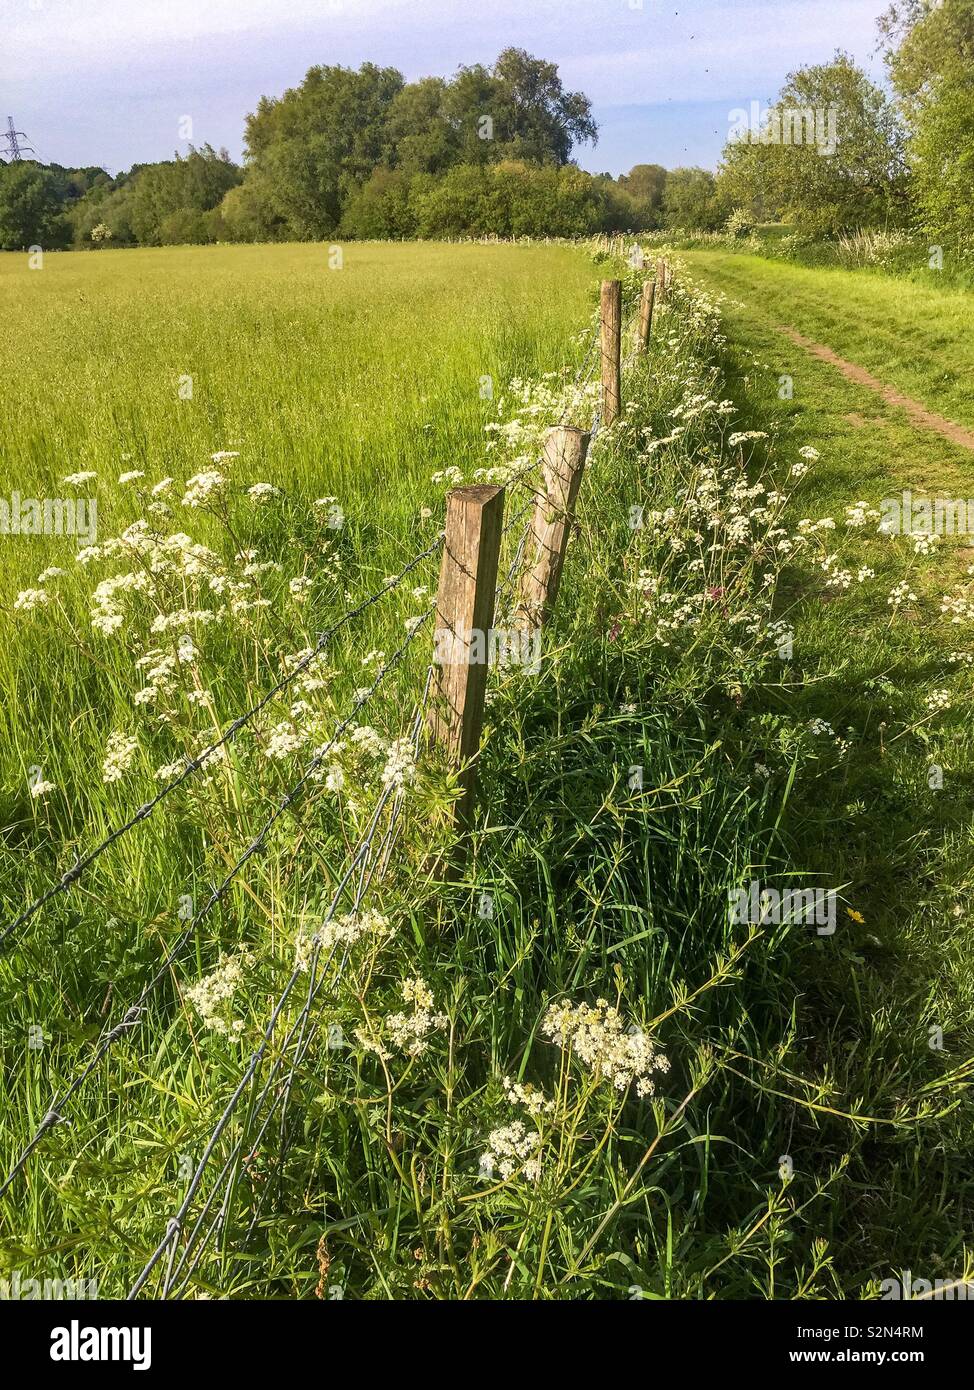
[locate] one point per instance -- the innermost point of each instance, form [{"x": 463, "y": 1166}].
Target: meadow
[{"x": 566, "y": 1071}]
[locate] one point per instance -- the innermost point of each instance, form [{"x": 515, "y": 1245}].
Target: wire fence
[
  {"x": 193, "y": 765},
  {"x": 207, "y": 1205}
]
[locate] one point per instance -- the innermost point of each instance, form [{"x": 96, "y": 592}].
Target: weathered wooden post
[
  {"x": 611, "y": 342},
  {"x": 464, "y": 615},
  {"x": 561, "y": 473},
  {"x": 645, "y": 326}
]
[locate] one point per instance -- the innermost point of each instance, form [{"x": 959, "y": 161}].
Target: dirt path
[{"x": 925, "y": 419}]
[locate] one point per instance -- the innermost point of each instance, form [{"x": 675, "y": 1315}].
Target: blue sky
[{"x": 109, "y": 81}]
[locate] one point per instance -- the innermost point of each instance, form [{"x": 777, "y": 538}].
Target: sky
[{"x": 110, "y": 82}]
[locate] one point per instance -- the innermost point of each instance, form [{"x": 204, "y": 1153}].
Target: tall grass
[{"x": 566, "y": 1071}]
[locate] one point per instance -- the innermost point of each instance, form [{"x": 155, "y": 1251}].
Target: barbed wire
[
  {"x": 175, "y": 1224},
  {"x": 194, "y": 764},
  {"x": 379, "y": 863},
  {"x": 133, "y": 1016}
]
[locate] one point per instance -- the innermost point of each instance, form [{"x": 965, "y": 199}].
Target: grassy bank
[{"x": 570, "y": 1072}]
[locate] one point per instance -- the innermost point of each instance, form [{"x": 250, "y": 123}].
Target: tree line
[{"x": 365, "y": 154}]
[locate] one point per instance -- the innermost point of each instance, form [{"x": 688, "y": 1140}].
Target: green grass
[
  {"x": 915, "y": 337},
  {"x": 583, "y": 882},
  {"x": 356, "y": 383},
  {"x": 904, "y": 848}
]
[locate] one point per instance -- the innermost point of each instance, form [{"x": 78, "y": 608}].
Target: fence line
[
  {"x": 469, "y": 565},
  {"x": 202, "y": 758}
]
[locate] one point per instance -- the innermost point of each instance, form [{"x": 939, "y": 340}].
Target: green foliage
[
  {"x": 326, "y": 148},
  {"x": 166, "y": 201},
  {"x": 829, "y": 158},
  {"x": 30, "y": 207},
  {"x": 691, "y": 199},
  {"x": 645, "y": 184},
  {"x": 930, "y": 52}
]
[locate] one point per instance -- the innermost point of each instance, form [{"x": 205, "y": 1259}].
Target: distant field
[
  {"x": 331, "y": 377},
  {"x": 354, "y": 385}
]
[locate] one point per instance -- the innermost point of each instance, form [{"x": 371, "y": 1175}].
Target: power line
[{"x": 13, "y": 136}]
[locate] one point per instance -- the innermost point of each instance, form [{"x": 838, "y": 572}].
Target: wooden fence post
[
  {"x": 611, "y": 340},
  {"x": 464, "y": 615},
  {"x": 561, "y": 473},
  {"x": 645, "y": 315}
]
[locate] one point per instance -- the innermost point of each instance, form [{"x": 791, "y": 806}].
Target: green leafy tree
[
  {"x": 248, "y": 213},
  {"x": 930, "y": 53},
  {"x": 320, "y": 141},
  {"x": 691, "y": 200},
  {"x": 424, "y": 137},
  {"x": 534, "y": 117},
  {"x": 645, "y": 185},
  {"x": 829, "y": 158},
  {"x": 382, "y": 209},
  {"x": 31, "y": 207},
  {"x": 190, "y": 184}
]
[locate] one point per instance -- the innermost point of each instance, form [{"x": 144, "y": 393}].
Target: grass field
[
  {"x": 353, "y": 386},
  {"x": 568, "y": 1073}
]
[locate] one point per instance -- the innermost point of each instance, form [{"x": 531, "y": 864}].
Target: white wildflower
[{"x": 120, "y": 752}]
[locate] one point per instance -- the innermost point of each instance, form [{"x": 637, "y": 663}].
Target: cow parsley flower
[
  {"x": 410, "y": 1032},
  {"x": 120, "y": 752},
  {"x": 29, "y": 599},
  {"x": 400, "y": 768},
  {"x": 213, "y": 996},
  {"x": 263, "y": 492},
  {"x": 201, "y": 488},
  {"x": 511, "y": 1148}
]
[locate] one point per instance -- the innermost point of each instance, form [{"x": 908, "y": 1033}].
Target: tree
[
  {"x": 321, "y": 140},
  {"x": 30, "y": 207},
  {"x": 534, "y": 117},
  {"x": 424, "y": 138},
  {"x": 645, "y": 185},
  {"x": 828, "y": 156},
  {"x": 247, "y": 213},
  {"x": 930, "y": 53},
  {"x": 382, "y": 208},
  {"x": 691, "y": 200},
  {"x": 188, "y": 186}
]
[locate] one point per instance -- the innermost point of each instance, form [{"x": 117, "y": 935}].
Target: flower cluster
[
  {"x": 410, "y": 1031},
  {"x": 512, "y": 1149},
  {"x": 597, "y": 1035},
  {"x": 212, "y": 997}
]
